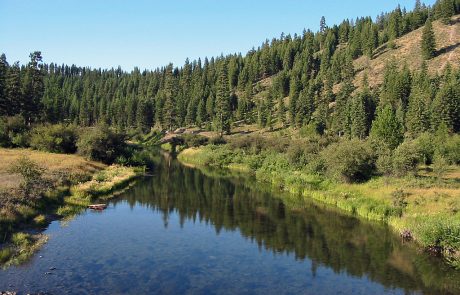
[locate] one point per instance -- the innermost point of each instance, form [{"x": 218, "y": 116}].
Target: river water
[{"x": 183, "y": 231}]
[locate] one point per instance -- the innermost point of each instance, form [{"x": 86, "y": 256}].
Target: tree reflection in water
[{"x": 324, "y": 236}]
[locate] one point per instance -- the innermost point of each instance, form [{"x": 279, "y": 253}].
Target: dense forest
[{"x": 311, "y": 84}]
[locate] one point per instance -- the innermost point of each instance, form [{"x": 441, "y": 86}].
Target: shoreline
[
  {"x": 349, "y": 199},
  {"x": 28, "y": 237}
]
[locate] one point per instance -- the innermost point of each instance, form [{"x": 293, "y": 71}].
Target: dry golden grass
[
  {"x": 408, "y": 52},
  {"x": 53, "y": 163}
]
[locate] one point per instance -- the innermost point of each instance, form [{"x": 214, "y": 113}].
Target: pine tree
[
  {"x": 281, "y": 111},
  {"x": 359, "y": 128},
  {"x": 13, "y": 90},
  {"x": 445, "y": 107},
  {"x": 447, "y": 10},
  {"x": 342, "y": 122},
  {"x": 418, "y": 110},
  {"x": 159, "y": 101},
  {"x": 169, "y": 107},
  {"x": 83, "y": 115},
  {"x": 4, "y": 105},
  {"x": 387, "y": 128},
  {"x": 222, "y": 116},
  {"x": 143, "y": 115},
  {"x": 201, "y": 113},
  {"x": 33, "y": 89},
  {"x": 428, "y": 41},
  {"x": 418, "y": 16},
  {"x": 394, "y": 25},
  {"x": 269, "y": 110},
  {"x": 293, "y": 97},
  {"x": 322, "y": 25}
]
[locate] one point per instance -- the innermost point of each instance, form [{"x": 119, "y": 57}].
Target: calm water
[{"x": 182, "y": 232}]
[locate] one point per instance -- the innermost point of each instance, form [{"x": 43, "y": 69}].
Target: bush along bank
[
  {"x": 417, "y": 204},
  {"x": 39, "y": 199}
]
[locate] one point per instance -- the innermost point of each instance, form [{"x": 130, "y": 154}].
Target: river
[{"x": 183, "y": 231}]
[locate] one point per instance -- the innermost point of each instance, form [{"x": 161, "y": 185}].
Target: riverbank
[
  {"x": 64, "y": 185},
  {"x": 418, "y": 207}
]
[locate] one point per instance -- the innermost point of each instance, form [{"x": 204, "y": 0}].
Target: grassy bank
[
  {"x": 59, "y": 187},
  {"x": 419, "y": 206},
  {"x": 102, "y": 186}
]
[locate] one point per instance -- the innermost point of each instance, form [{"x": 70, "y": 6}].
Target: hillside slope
[{"x": 408, "y": 52}]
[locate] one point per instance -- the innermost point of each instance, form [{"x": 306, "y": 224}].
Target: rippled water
[{"x": 184, "y": 232}]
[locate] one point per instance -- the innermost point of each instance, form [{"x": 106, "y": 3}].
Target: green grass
[
  {"x": 429, "y": 209},
  {"x": 21, "y": 248},
  {"x": 103, "y": 183}
]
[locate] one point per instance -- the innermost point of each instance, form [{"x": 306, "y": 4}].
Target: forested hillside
[{"x": 340, "y": 80}]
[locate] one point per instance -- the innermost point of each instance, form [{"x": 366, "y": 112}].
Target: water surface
[{"x": 183, "y": 232}]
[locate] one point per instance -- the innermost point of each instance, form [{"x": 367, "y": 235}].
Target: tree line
[{"x": 218, "y": 91}]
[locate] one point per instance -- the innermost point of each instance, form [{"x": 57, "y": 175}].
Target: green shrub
[
  {"x": 217, "y": 140},
  {"x": 4, "y": 139},
  {"x": 13, "y": 132},
  {"x": 451, "y": 149},
  {"x": 384, "y": 163},
  {"x": 141, "y": 158},
  {"x": 21, "y": 239},
  {"x": 399, "y": 197},
  {"x": 255, "y": 144},
  {"x": 33, "y": 185},
  {"x": 426, "y": 147},
  {"x": 349, "y": 160},
  {"x": 440, "y": 166},
  {"x": 57, "y": 138},
  {"x": 101, "y": 143},
  {"x": 40, "y": 220},
  {"x": 302, "y": 152},
  {"x": 406, "y": 157},
  {"x": 194, "y": 140},
  {"x": 5, "y": 254}
]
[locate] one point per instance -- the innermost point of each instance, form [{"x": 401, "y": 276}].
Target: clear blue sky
[{"x": 148, "y": 34}]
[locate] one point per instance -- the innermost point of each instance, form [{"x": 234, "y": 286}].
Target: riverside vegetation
[
  {"x": 364, "y": 115},
  {"x": 419, "y": 201},
  {"x": 39, "y": 186}
]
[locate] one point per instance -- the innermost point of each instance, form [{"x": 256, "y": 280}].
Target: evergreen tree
[
  {"x": 387, "y": 128},
  {"x": 322, "y": 25},
  {"x": 33, "y": 89},
  {"x": 394, "y": 25},
  {"x": 445, "y": 107},
  {"x": 201, "y": 113},
  {"x": 281, "y": 111},
  {"x": 169, "y": 107},
  {"x": 269, "y": 110},
  {"x": 418, "y": 14},
  {"x": 428, "y": 41},
  {"x": 359, "y": 128},
  {"x": 418, "y": 110},
  {"x": 293, "y": 97},
  {"x": 13, "y": 90},
  {"x": 342, "y": 122},
  {"x": 222, "y": 116},
  {"x": 4, "y": 105},
  {"x": 143, "y": 115},
  {"x": 447, "y": 10}
]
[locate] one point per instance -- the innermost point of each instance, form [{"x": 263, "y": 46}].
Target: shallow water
[{"x": 183, "y": 232}]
